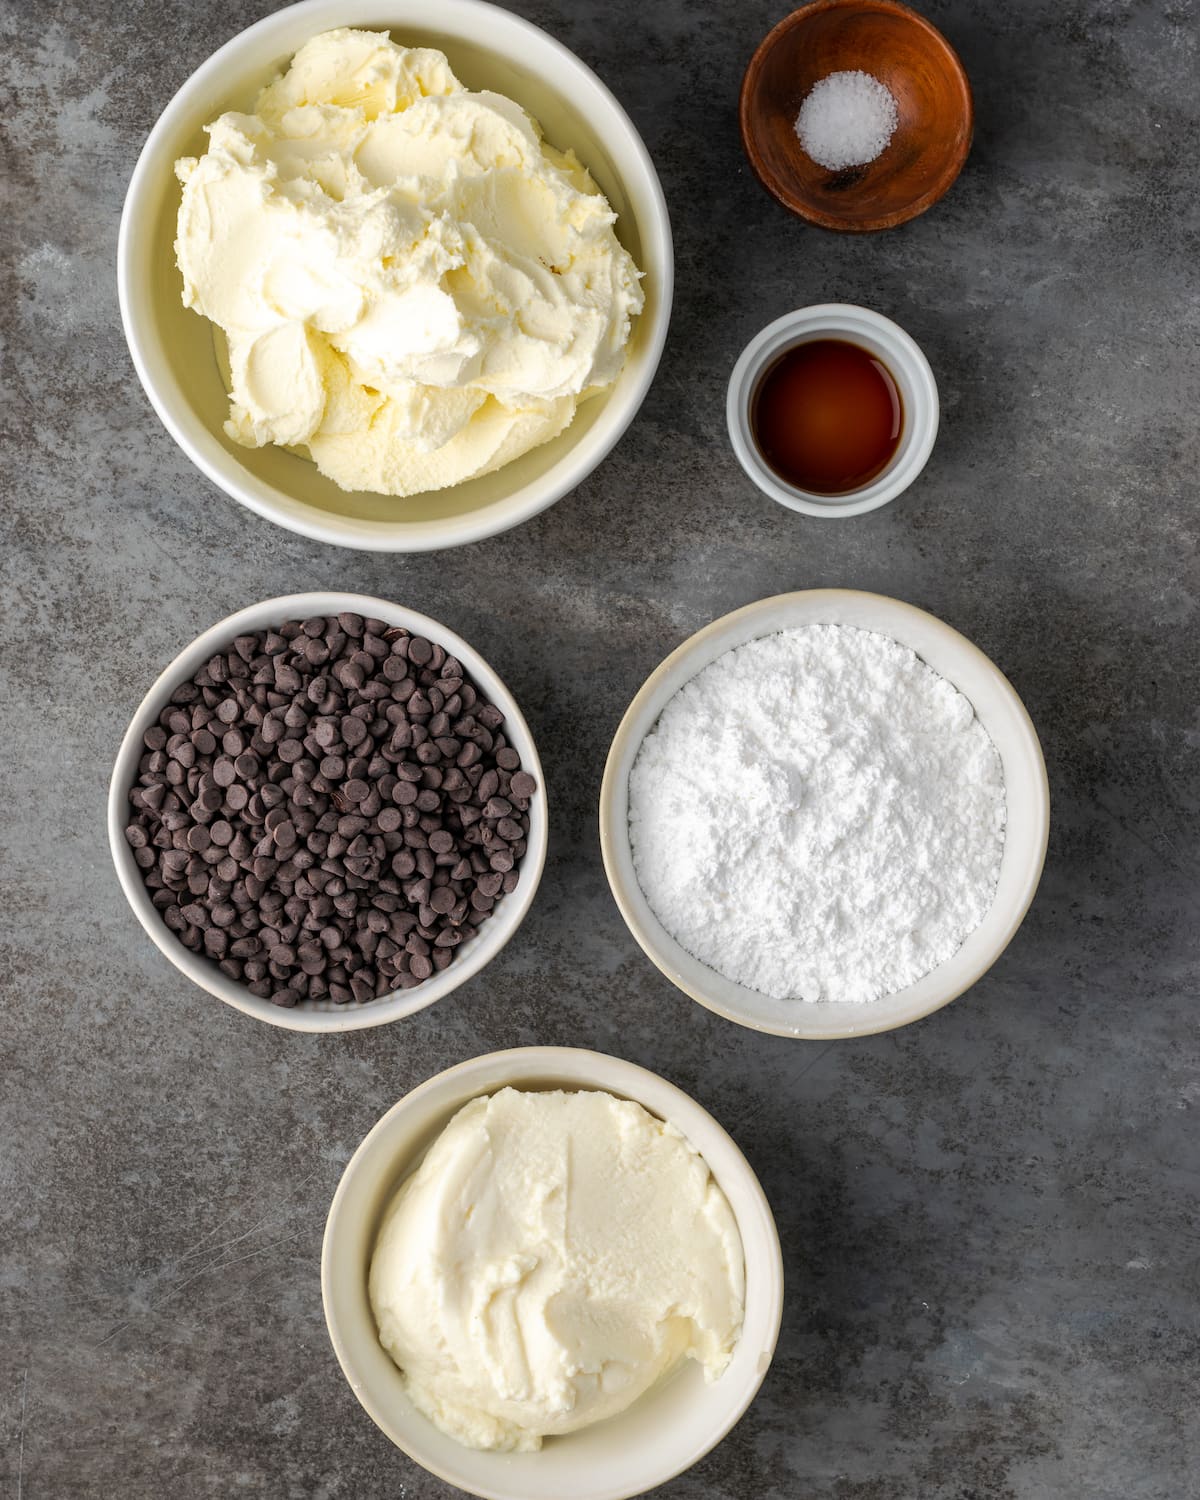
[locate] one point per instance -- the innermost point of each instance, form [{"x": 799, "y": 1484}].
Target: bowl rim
[
  {"x": 902, "y": 354},
  {"x": 267, "y": 499},
  {"x": 203, "y": 972},
  {"x": 781, "y": 191},
  {"x": 577, "y": 1069},
  {"x": 612, "y": 833}
]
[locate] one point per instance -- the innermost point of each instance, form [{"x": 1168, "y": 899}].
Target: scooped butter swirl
[
  {"x": 414, "y": 287},
  {"x": 554, "y": 1255}
]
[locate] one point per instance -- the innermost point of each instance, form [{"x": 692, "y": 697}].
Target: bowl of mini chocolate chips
[{"x": 328, "y": 812}]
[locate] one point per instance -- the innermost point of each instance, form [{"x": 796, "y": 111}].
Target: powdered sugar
[
  {"x": 818, "y": 815},
  {"x": 847, "y": 120}
]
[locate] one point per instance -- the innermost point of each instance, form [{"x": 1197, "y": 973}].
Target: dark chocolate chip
[{"x": 319, "y": 818}]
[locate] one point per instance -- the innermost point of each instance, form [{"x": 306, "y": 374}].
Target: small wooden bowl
[{"x": 906, "y": 54}]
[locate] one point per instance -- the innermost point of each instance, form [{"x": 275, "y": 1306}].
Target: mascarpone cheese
[
  {"x": 554, "y": 1255},
  {"x": 413, "y": 286}
]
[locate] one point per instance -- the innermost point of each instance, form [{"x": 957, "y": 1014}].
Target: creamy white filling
[
  {"x": 412, "y": 285},
  {"x": 552, "y": 1258}
]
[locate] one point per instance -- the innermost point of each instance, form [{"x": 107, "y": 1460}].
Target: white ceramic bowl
[
  {"x": 324, "y": 1015},
  {"x": 675, "y": 1423},
  {"x": 172, "y": 348},
  {"x": 888, "y": 342},
  {"x": 999, "y": 710}
]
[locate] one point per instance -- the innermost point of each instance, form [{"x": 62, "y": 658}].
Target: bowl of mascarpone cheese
[
  {"x": 550, "y": 1272},
  {"x": 398, "y": 284}
]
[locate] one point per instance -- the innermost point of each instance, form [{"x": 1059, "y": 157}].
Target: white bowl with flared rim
[
  {"x": 172, "y": 347},
  {"x": 1027, "y": 794},
  {"x": 663, "y": 1433},
  {"x": 889, "y": 343},
  {"x": 325, "y": 1015}
]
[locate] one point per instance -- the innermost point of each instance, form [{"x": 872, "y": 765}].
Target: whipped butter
[
  {"x": 413, "y": 286},
  {"x": 554, "y": 1255}
]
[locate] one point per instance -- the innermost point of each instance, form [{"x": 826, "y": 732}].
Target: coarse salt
[
  {"x": 818, "y": 815},
  {"x": 846, "y": 120}
]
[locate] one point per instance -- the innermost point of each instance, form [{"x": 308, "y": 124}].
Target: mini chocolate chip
[
  {"x": 294, "y": 807},
  {"x": 284, "y": 834}
]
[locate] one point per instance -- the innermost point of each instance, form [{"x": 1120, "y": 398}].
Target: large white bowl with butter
[
  {"x": 670, "y": 1427},
  {"x": 173, "y": 348}
]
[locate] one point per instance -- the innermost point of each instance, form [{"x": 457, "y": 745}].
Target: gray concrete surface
[{"x": 989, "y": 1219}]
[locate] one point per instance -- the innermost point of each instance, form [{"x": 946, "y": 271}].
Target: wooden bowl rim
[{"x": 780, "y": 190}]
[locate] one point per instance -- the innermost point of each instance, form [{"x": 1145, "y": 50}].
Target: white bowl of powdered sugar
[{"x": 825, "y": 814}]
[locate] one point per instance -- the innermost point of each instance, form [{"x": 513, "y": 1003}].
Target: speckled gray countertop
[{"x": 989, "y": 1219}]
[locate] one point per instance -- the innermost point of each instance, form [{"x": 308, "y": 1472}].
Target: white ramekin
[
  {"x": 662, "y": 1434},
  {"x": 324, "y": 1015},
  {"x": 1000, "y": 712},
  {"x": 172, "y": 347},
  {"x": 885, "y": 339}
]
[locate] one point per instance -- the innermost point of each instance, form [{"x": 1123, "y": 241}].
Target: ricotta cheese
[{"x": 413, "y": 286}]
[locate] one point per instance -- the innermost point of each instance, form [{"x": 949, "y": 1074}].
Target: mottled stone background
[{"x": 989, "y": 1219}]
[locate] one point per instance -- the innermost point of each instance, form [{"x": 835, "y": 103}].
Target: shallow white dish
[
  {"x": 1027, "y": 791},
  {"x": 324, "y": 1015},
  {"x": 172, "y": 347},
  {"x": 889, "y": 343},
  {"x": 675, "y": 1423}
]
